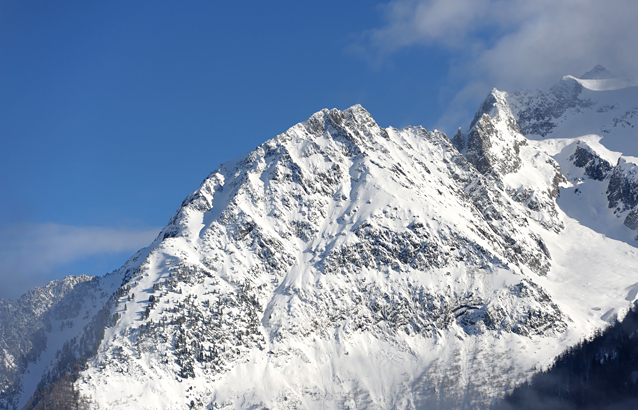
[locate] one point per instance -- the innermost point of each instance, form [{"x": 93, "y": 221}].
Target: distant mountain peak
[{"x": 598, "y": 73}]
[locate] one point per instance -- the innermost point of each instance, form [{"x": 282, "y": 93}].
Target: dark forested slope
[{"x": 598, "y": 373}]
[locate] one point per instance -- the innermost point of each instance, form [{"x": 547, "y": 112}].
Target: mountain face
[
  {"x": 344, "y": 265},
  {"x": 35, "y": 328}
]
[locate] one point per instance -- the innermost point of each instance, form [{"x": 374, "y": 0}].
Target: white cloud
[
  {"x": 30, "y": 253},
  {"x": 565, "y": 37},
  {"x": 426, "y": 22},
  {"x": 512, "y": 44}
]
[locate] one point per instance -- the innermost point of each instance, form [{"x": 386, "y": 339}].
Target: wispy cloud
[
  {"x": 31, "y": 253},
  {"x": 511, "y": 44}
]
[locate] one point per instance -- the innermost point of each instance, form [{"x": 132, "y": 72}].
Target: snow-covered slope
[
  {"x": 34, "y": 329},
  {"x": 575, "y": 107},
  {"x": 590, "y": 130},
  {"x": 343, "y": 265}
]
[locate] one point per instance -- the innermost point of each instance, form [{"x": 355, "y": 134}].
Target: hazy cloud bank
[
  {"x": 31, "y": 253},
  {"x": 510, "y": 44}
]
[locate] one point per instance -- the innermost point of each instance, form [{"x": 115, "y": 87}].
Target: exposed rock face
[
  {"x": 495, "y": 146},
  {"x": 537, "y": 111},
  {"x": 622, "y": 192},
  {"x": 631, "y": 220},
  {"x": 595, "y": 167},
  {"x": 479, "y": 143}
]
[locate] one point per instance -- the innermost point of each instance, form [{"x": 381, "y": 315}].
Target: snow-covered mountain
[
  {"x": 589, "y": 126},
  {"x": 344, "y": 265}
]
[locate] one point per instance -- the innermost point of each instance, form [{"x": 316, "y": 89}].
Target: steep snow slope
[{"x": 342, "y": 264}]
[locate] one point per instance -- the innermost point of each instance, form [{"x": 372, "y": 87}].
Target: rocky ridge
[
  {"x": 27, "y": 324},
  {"x": 539, "y": 115}
]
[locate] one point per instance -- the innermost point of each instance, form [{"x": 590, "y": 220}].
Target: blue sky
[{"x": 112, "y": 112}]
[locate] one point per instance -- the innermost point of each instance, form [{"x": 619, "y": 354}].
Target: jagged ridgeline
[{"x": 339, "y": 265}]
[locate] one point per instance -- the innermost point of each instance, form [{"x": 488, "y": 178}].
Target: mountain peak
[
  {"x": 340, "y": 249},
  {"x": 597, "y": 73}
]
